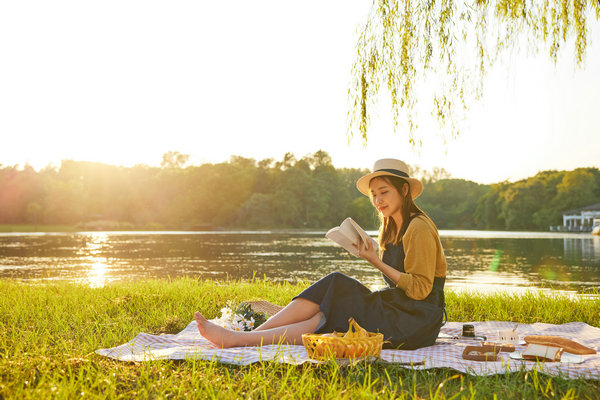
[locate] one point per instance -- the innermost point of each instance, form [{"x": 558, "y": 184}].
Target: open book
[{"x": 347, "y": 233}]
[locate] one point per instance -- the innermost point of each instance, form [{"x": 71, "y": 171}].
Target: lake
[{"x": 477, "y": 260}]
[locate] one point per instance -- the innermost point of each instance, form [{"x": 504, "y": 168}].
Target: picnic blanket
[{"x": 445, "y": 353}]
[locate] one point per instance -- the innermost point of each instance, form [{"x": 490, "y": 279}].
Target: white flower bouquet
[{"x": 240, "y": 317}]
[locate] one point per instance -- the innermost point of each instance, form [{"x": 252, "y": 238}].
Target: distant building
[{"x": 580, "y": 219}]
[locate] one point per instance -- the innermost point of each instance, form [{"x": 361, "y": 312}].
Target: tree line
[{"x": 297, "y": 193}]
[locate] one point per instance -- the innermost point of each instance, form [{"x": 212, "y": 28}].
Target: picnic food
[
  {"x": 551, "y": 348},
  {"x": 481, "y": 353},
  {"x": 542, "y": 353},
  {"x": 355, "y": 330},
  {"x": 356, "y": 342},
  {"x": 503, "y": 347},
  {"x": 559, "y": 342}
]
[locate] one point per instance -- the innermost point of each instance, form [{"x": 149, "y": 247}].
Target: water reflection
[
  {"x": 97, "y": 275},
  {"x": 512, "y": 261},
  {"x": 587, "y": 249},
  {"x": 93, "y": 245}
]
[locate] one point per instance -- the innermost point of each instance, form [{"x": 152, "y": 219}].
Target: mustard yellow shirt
[{"x": 424, "y": 258}]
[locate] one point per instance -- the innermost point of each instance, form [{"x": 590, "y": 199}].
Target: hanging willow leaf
[{"x": 403, "y": 42}]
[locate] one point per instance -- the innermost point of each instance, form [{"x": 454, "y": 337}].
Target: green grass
[{"x": 49, "y": 331}]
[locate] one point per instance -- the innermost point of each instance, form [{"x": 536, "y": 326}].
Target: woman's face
[{"x": 385, "y": 197}]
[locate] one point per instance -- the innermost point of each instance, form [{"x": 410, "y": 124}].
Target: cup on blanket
[{"x": 508, "y": 336}]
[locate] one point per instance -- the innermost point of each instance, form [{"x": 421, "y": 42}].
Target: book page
[
  {"x": 347, "y": 227},
  {"x": 337, "y": 235},
  {"x": 363, "y": 234},
  {"x": 348, "y": 234}
]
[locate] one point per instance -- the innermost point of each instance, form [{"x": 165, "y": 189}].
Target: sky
[{"x": 123, "y": 82}]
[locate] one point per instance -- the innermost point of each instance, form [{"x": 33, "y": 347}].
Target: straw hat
[{"x": 390, "y": 167}]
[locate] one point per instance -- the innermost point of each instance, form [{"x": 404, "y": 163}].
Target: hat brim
[{"x": 416, "y": 187}]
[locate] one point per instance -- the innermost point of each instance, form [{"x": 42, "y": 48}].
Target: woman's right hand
[{"x": 367, "y": 251}]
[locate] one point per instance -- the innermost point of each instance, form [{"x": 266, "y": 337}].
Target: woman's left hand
[{"x": 367, "y": 251}]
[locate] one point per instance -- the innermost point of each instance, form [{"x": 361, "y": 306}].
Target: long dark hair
[{"x": 388, "y": 232}]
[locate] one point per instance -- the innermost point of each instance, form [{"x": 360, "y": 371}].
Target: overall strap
[{"x": 438, "y": 284}]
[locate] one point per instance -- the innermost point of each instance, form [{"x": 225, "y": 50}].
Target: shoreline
[
  {"x": 589, "y": 294},
  {"x": 10, "y": 229},
  {"x": 128, "y": 227}
]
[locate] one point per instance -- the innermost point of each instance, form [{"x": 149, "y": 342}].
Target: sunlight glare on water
[{"x": 98, "y": 266}]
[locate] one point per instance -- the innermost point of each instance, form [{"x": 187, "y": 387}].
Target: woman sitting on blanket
[{"x": 409, "y": 312}]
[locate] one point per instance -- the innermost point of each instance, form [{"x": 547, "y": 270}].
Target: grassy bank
[{"x": 48, "y": 334}]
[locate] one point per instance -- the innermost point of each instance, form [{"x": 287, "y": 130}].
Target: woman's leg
[
  {"x": 301, "y": 309},
  {"x": 225, "y": 338},
  {"x": 297, "y": 311}
]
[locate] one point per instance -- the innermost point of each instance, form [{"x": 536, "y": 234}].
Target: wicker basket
[
  {"x": 262, "y": 306},
  {"x": 335, "y": 345}
]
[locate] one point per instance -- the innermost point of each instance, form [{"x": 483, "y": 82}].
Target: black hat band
[{"x": 394, "y": 171}]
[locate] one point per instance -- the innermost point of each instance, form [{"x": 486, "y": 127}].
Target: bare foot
[{"x": 216, "y": 334}]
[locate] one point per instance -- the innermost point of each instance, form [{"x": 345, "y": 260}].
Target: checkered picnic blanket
[{"x": 446, "y": 353}]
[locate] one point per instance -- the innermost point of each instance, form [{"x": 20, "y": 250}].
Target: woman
[{"x": 409, "y": 312}]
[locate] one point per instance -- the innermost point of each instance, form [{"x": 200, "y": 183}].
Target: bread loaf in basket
[{"x": 356, "y": 343}]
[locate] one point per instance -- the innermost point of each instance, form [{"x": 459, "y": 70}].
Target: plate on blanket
[{"x": 564, "y": 358}]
